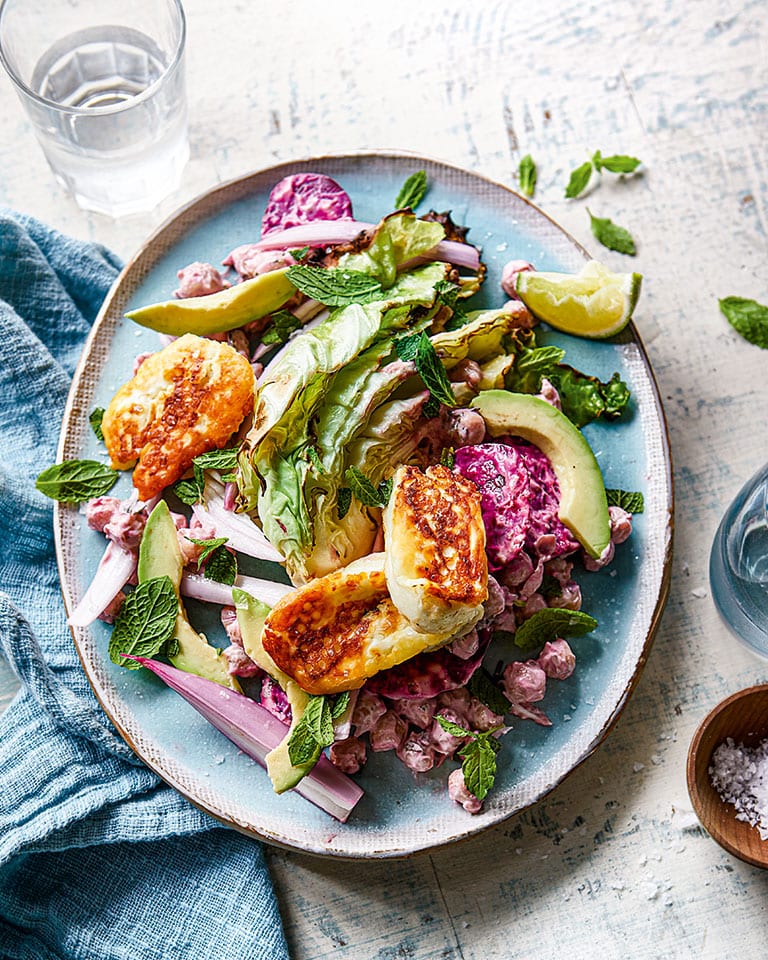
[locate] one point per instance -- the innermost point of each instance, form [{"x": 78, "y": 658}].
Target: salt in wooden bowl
[{"x": 742, "y": 717}]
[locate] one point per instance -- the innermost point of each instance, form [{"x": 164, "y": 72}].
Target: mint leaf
[
  {"x": 75, "y": 481},
  {"x": 340, "y": 704},
  {"x": 482, "y": 688},
  {"x": 448, "y": 295},
  {"x": 221, "y": 567},
  {"x": 313, "y": 731},
  {"x": 612, "y": 236},
  {"x": 343, "y": 502},
  {"x": 453, "y": 728},
  {"x": 314, "y": 458},
  {"x": 526, "y": 173},
  {"x": 284, "y": 323},
  {"x": 631, "y": 502},
  {"x": 220, "y": 563},
  {"x": 145, "y": 623},
  {"x": 407, "y": 347},
  {"x": 579, "y": 180},
  {"x": 618, "y": 163},
  {"x": 362, "y": 488},
  {"x": 412, "y": 191},
  {"x": 189, "y": 492},
  {"x": 549, "y": 624},
  {"x": 317, "y": 716},
  {"x": 335, "y": 286},
  {"x": 479, "y": 764},
  {"x": 448, "y": 458},
  {"x": 225, "y": 461},
  {"x": 432, "y": 372},
  {"x": 300, "y": 254},
  {"x": 748, "y": 318},
  {"x": 302, "y": 746},
  {"x": 95, "y": 418}
]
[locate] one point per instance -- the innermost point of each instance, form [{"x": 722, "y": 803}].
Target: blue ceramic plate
[{"x": 398, "y": 815}]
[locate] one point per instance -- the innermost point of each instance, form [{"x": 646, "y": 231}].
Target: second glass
[
  {"x": 103, "y": 84},
  {"x": 738, "y": 568}
]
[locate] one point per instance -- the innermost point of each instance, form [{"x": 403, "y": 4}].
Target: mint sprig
[
  {"x": 220, "y": 563},
  {"x": 581, "y": 177},
  {"x": 190, "y": 490},
  {"x": 478, "y": 756},
  {"x": 314, "y": 731},
  {"x": 335, "y": 286},
  {"x": 418, "y": 348},
  {"x": 145, "y": 625},
  {"x": 748, "y": 318},
  {"x": 75, "y": 481},
  {"x": 412, "y": 191},
  {"x": 549, "y": 624}
]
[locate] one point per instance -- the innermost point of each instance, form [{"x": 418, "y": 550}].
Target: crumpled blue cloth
[{"x": 98, "y": 858}]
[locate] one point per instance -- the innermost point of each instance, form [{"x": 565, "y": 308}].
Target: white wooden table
[{"x": 610, "y": 864}]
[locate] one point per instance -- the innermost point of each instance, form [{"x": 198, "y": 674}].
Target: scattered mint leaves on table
[
  {"x": 618, "y": 163},
  {"x": 412, "y": 191},
  {"x": 526, "y": 174},
  {"x": 550, "y": 623},
  {"x": 581, "y": 177},
  {"x": 612, "y": 236},
  {"x": 334, "y": 286},
  {"x": 748, "y": 318},
  {"x": 145, "y": 625},
  {"x": 75, "y": 481},
  {"x": 579, "y": 180}
]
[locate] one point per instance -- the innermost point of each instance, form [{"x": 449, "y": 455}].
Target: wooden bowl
[{"x": 744, "y": 718}]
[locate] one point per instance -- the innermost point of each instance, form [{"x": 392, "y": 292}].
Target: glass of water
[
  {"x": 738, "y": 566},
  {"x": 102, "y": 82}
]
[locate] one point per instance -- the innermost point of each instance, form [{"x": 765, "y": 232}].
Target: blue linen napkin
[{"x": 98, "y": 858}]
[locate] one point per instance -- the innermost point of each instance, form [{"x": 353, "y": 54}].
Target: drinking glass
[
  {"x": 738, "y": 567},
  {"x": 102, "y": 82}
]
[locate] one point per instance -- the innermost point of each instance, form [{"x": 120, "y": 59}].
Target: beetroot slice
[
  {"x": 303, "y": 197},
  {"x": 428, "y": 674}
]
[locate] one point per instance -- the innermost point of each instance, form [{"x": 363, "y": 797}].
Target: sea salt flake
[
  {"x": 740, "y": 775},
  {"x": 637, "y": 767}
]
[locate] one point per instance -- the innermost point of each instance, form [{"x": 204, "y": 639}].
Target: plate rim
[{"x": 146, "y": 256}]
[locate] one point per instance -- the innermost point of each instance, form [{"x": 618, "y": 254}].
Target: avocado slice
[
  {"x": 251, "y": 614},
  {"x": 583, "y": 505},
  {"x": 159, "y": 555},
  {"x": 250, "y": 300}
]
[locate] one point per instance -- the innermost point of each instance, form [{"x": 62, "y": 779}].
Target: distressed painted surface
[{"x": 685, "y": 88}]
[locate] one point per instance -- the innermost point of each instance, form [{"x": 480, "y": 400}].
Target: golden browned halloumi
[
  {"x": 336, "y": 631},
  {"x": 434, "y": 543},
  {"x": 186, "y": 399}
]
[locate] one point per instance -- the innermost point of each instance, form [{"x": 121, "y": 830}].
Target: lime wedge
[{"x": 594, "y": 303}]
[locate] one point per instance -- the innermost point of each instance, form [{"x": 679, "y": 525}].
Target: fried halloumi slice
[
  {"x": 186, "y": 399},
  {"x": 434, "y": 544},
  {"x": 336, "y": 631}
]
